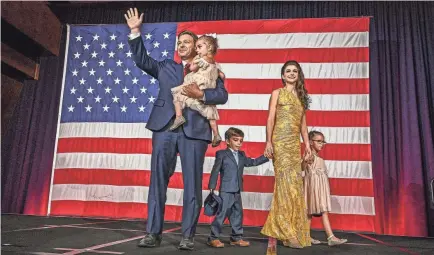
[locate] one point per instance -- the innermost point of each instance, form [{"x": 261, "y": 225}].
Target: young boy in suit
[{"x": 230, "y": 164}]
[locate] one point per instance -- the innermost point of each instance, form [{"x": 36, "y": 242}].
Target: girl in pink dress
[{"x": 317, "y": 188}]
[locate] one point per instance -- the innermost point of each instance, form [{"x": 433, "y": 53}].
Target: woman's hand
[
  {"x": 269, "y": 150},
  {"x": 307, "y": 153}
]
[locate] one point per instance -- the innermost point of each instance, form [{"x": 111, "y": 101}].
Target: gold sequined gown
[{"x": 287, "y": 218}]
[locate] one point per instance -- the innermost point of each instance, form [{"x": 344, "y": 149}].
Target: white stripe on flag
[
  {"x": 341, "y": 135},
  {"x": 323, "y": 102},
  {"x": 294, "y": 40},
  {"x": 310, "y": 70},
  {"x": 139, "y": 194},
  {"x": 336, "y": 169}
]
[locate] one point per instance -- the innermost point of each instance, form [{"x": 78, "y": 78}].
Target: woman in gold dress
[{"x": 287, "y": 220}]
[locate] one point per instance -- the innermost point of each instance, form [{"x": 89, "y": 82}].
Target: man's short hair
[
  {"x": 187, "y": 32},
  {"x": 233, "y": 132}
]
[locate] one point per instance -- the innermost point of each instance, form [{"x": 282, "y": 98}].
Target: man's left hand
[{"x": 193, "y": 91}]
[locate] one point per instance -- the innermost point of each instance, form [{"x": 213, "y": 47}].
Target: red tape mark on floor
[{"x": 387, "y": 244}]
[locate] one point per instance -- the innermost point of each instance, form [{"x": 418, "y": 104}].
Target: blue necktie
[{"x": 235, "y": 156}]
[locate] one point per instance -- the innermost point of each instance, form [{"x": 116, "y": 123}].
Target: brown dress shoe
[
  {"x": 216, "y": 243},
  {"x": 241, "y": 243}
]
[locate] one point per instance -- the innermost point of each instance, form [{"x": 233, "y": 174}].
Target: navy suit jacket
[
  {"x": 171, "y": 74},
  {"x": 231, "y": 174}
]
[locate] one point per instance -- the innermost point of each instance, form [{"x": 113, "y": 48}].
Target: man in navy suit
[
  {"x": 230, "y": 164},
  {"x": 191, "y": 140}
]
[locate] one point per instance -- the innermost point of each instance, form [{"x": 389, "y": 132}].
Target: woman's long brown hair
[{"x": 299, "y": 87}]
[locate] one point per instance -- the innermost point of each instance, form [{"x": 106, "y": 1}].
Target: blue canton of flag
[{"x": 102, "y": 82}]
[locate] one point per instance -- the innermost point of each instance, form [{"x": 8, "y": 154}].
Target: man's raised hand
[{"x": 133, "y": 20}]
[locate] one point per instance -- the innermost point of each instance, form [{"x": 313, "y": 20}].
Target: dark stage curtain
[
  {"x": 402, "y": 95},
  {"x": 28, "y": 145}
]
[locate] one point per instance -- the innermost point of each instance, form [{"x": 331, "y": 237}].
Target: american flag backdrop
[{"x": 103, "y": 152}]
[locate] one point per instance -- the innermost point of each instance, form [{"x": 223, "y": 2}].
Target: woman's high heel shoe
[
  {"x": 271, "y": 250},
  {"x": 272, "y": 246},
  {"x": 292, "y": 243}
]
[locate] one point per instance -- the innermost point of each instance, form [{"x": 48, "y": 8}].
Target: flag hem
[{"x": 58, "y": 118}]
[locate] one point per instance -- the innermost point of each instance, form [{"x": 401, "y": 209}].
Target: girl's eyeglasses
[{"x": 320, "y": 141}]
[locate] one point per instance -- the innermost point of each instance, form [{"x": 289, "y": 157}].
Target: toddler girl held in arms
[{"x": 204, "y": 73}]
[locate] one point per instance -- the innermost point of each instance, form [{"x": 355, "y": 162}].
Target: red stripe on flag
[
  {"x": 314, "y": 118},
  {"x": 252, "y": 183},
  {"x": 350, "y": 152},
  {"x": 318, "y": 25},
  {"x": 351, "y": 187},
  {"x": 303, "y": 55},
  {"x": 313, "y": 86},
  {"x": 174, "y": 213}
]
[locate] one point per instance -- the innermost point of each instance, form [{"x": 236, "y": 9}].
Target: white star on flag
[
  {"x": 141, "y": 108},
  {"x": 71, "y": 108},
  {"x": 99, "y": 81},
  {"x": 125, "y": 90},
  {"x": 90, "y": 90},
  {"x": 92, "y": 72},
  {"x": 121, "y": 46},
  {"x": 78, "y": 38},
  {"x": 107, "y": 90},
  {"x": 166, "y": 35},
  {"x": 80, "y": 99},
  {"x": 77, "y": 55},
  {"x": 94, "y": 54},
  {"x": 75, "y": 72},
  {"x": 135, "y": 80},
  {"x": 127, "y": 71},
  {"x": 143, "y": 90},
  {"x": 84, "y": 63},
  {"x": 115, "y": 99},
  {"x": 109, "y": 72},
  {"x": 117, "y": 80},
  {"x": 73, "y": 90},
  {"x": 101, "y": 63},
  {"x": 113, "y": 37},
  {"x": 97, "y": 99},
  {"x": 129, "y": 53},
  {"x": 82, "y": 81},
  {"x": 103, "y": 46},
  {"x": 88, "y": 108},
  {"x": 111, "y": 54},
  {"x": 133, "y": 99},
  {"x": 106, "y": 108},
  {"x": 86, "y": 46},
  {"x": 124, "y": 109},
  {"x": 153, "y": 80},
  {"x": 156, "y": 44},
  {"x": 165, "y": 52},
  {"x": 119, "y": 63},
  {"x": 148, "y": 36},
  {"x": 96, "y": 37},
  {"x": 151, "y": 99}
]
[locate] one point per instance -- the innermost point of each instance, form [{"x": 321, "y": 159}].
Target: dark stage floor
[{"x": 63, "y": 235}]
